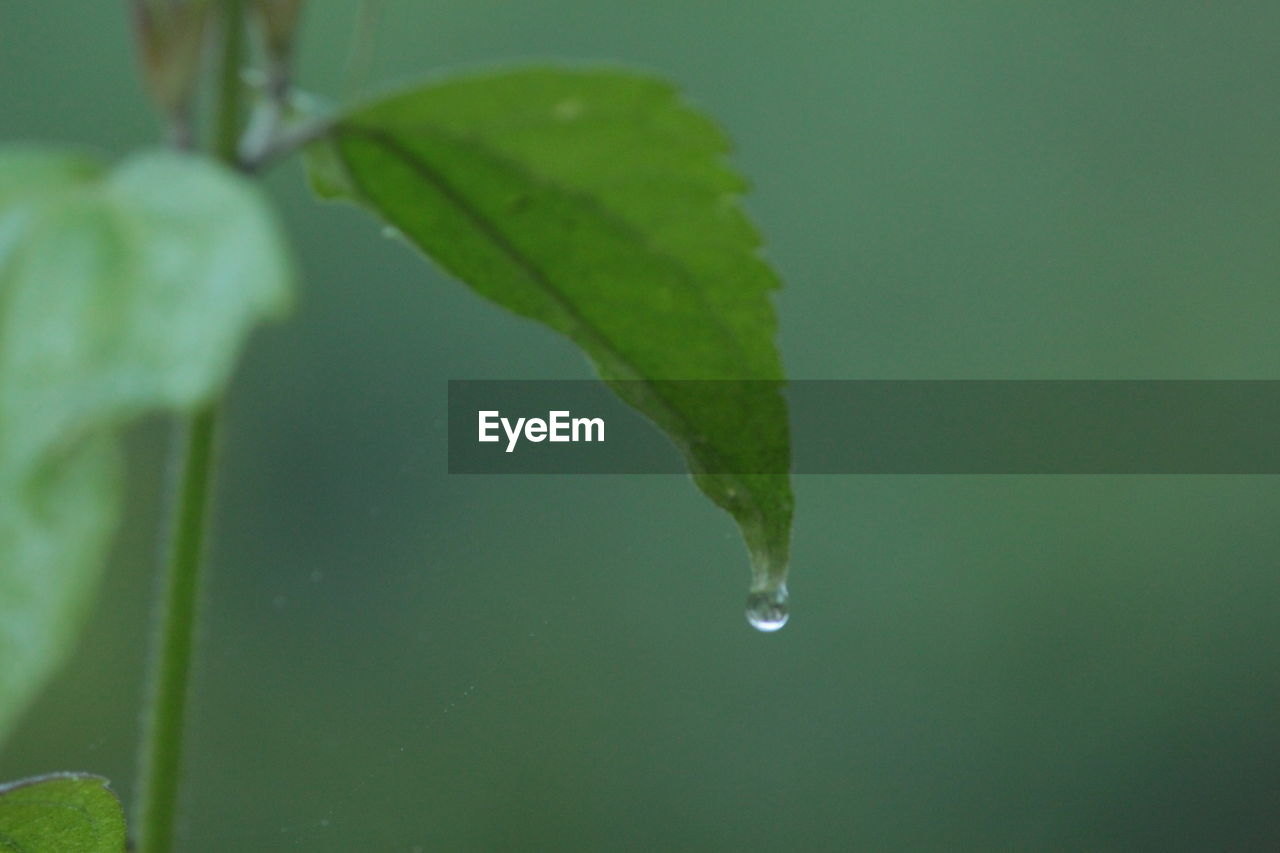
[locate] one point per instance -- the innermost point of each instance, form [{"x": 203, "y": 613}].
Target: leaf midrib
[
  {"x": 531, "y": 269},
  {"x": 598, "y": 208}
]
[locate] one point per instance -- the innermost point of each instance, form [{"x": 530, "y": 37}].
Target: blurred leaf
[
  {"x": 37, "y": 171},
  {"x": 61, "y": 813},
  {"x": 120, "y": 293},
  {"x": 598, "y": 203}
]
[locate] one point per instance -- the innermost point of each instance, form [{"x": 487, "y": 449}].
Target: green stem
[
  {"x": 179, "y": 601},
  {"x": 230, "y": 89},
  {"x": 175, "y": 641}
]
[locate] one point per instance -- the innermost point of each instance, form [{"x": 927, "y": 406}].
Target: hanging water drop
[{"x": 767, "y": 609}]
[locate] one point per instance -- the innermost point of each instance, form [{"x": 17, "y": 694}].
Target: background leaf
[
  {"x": 598, "y": 203},
  {"x": 120, "y": 293},
  {"x": 61, "y": 813}
]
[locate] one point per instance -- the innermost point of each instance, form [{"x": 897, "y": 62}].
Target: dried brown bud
[
  {"x": 170, "y": 38},
  {"x": 279, "y": 25}
]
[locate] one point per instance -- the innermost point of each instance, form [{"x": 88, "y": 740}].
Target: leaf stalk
[{"x": 178, "y": 604}]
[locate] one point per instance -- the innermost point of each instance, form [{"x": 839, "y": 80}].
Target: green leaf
[
  {"x": 121, "y": 292},
  {"x": 598, "y": 202},
  {"x": 61, "y": 813},
  {"x": 28, "y": 172}
]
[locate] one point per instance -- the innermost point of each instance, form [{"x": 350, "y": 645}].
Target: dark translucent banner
[{"x": 886, "y": 427}]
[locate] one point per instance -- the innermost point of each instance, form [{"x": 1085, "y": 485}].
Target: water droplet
[{"x": 767, "y": 608}]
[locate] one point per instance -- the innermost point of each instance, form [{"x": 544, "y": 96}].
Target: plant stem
[
  {"x": 179, "y": 600},
  {"x": 230, "y": 90},
  {"x": 284, "y": 144},
  {"x": 175, "y": 640}
]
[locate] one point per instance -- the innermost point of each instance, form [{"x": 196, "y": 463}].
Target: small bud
[
  {"x": 279, "y": 20},
  {"x": 279, "y": 24},
  {"x": 170, "y": 37}
]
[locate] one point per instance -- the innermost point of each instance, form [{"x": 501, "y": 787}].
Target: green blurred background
[{"x": 397, "y": 660}]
